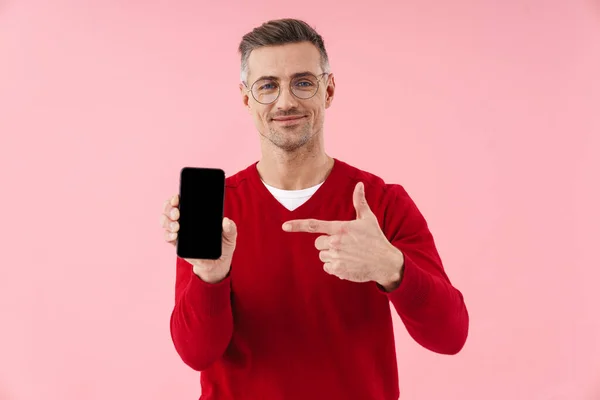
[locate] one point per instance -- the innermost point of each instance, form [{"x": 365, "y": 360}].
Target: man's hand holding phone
[{"x": 210, "y": 271}]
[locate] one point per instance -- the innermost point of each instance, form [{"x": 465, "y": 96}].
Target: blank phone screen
[{"x": 201, "y": 197}]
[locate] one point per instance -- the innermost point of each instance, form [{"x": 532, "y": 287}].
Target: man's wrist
[
  {"x": 396, "y": 270},
  {"x": 212, "y": 279}
]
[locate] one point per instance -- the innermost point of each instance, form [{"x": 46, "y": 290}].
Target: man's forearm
[
  {"x": 202, "y": 319},
  {"x": 432, "y": 310}
]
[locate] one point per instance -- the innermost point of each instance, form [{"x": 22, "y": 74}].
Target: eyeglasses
[{"x": 267, "y": 90}]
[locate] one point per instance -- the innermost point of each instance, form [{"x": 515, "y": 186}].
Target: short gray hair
[{"x": 279, "y": 32}]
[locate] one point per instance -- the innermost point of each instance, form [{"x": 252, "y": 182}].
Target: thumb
[
  {"x": 229, "y": 232},
  {"x": 360, "y": 202}
]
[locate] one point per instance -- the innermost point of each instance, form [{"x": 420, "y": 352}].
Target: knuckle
[{"x": 334, "y": 242}]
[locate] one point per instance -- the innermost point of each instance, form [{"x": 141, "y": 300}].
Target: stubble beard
[{"x": 290, "y": 140}]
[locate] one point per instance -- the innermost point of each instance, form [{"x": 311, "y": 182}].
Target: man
[{"x": 314, "y": 253}]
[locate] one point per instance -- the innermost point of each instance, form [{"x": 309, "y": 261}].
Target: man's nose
[{"x": 286, "y": 99}]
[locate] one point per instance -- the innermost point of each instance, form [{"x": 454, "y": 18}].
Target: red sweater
[{"x": 280, "y": 328}]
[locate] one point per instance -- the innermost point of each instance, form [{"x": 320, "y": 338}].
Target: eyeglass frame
[{"x": 319, "y": 77}]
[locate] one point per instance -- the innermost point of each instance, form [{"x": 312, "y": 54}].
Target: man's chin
[
  {"x": 291, "y": 145},
  {"x": 289, "y": 139}
]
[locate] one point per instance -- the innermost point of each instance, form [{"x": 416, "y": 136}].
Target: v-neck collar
[{"x": 305, "y": 210}]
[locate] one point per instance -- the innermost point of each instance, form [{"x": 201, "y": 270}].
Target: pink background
[{"x": 488, "y": 112}]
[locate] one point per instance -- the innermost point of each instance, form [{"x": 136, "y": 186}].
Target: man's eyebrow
[
  {"x": 296, "y": 75},
  {"x": 268, "y": 77},
  {"x": 301, "y": 74}
]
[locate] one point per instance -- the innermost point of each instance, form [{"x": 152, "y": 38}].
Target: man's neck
[{"x": 294, "y": 171}]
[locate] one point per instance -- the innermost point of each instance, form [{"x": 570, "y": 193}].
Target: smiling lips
[{"x": 289, "y": 120}]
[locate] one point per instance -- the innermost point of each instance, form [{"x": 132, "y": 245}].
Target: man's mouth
[{"x": 288, "y": 118}]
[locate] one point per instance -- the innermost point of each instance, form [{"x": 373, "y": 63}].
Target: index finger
[{"x": 313, "y": 226}]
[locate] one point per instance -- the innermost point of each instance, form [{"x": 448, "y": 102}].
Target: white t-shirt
[{"x": 292, "y": 199}]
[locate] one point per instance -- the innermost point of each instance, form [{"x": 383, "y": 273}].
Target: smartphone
[{"x": 201, "y": 203}]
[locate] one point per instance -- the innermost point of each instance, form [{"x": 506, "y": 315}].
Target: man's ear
[
  {"x": 245, "y": 97},
  {"x": 330, "y": 90}
]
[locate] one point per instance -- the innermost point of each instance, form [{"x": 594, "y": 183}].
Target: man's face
[{"x": 289, "y": 122}]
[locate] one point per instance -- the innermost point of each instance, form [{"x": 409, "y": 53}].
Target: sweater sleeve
[
  {"x": 201, "y": 321},
  {"x": 430, "y": 307}
]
